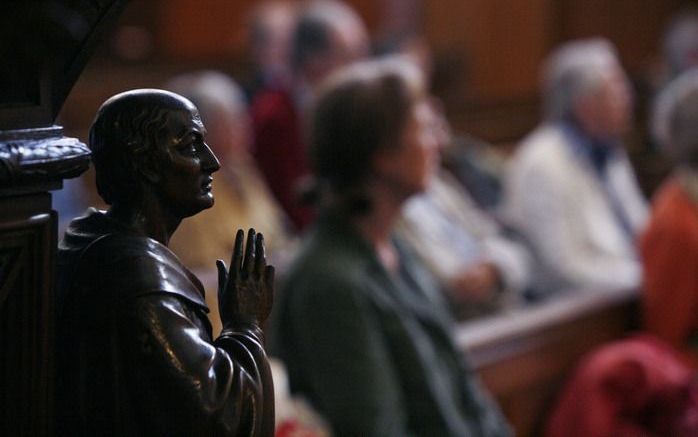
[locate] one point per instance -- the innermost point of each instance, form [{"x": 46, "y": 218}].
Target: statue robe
[{"x": 136, "y": 355}]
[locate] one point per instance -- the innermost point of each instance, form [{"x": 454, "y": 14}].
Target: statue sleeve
[{"x": 185, "y": 384}]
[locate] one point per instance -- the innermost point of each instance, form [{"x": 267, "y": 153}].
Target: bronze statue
[{"x": 135, "y": 347}]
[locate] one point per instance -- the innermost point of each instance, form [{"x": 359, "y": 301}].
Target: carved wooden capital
[{"x": 40, "y": 155}]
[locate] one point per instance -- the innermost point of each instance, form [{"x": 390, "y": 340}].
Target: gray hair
[
  {"x": 573, "y": 70},
  {"x": 675, "y": 119},
  {"x": 312, "y": 35},
  {"x": 211, "y": 92},
  {"x": 680, "y": 42}
]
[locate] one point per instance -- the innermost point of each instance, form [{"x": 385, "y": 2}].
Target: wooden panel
[
  {"x": 500, "y": 45},
  {"x": 501, "y": 42},
  {"x": 206, "y": 29},
  {"x": 49, "y": 44},
  {"x": 27, "y": 251},
  {"x": 201, "y": 29},
  {"x": 636, "y": 30}
]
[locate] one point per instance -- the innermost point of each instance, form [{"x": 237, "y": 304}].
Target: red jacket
[
  {"x": 632, "y": 388},
  {"x": 279, "y": 150},
  {"x": 669, "y": 251}
]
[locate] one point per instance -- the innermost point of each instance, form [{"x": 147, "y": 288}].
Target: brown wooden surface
[
  {"x": 27, "y": 252},
  {"x": 46, "y": 46},
  {"x": 488, "y": 52},
  {"x": 524, "y": 356},
  {"x": 500, "y": 46}
]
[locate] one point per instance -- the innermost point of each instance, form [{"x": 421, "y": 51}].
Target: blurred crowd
[{"x": 386, "y": 226}]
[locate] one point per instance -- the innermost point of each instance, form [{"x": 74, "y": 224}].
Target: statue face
[{"x": 185, "y": 164}]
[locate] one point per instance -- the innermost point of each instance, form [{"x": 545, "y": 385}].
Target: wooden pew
[{"x": 524, "y": 355}]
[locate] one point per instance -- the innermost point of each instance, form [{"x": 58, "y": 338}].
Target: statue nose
[{"x": 209, "y": 162}]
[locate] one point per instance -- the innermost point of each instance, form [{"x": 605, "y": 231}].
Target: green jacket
[{"x": 371, "y": 349}]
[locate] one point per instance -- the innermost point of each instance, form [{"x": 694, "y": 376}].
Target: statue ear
[{"x": 147, "y": 168}]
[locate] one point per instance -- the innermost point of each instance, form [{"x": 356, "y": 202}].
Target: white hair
[
  {"x": 675, "y": 119},
  {"x": 680, "y": 42},
  {"x": 575, "y": 69},
  {"x": 210, "y": 91}
]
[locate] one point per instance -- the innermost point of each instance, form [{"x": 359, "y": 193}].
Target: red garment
[
  {"x": 631, "y": 388},
  {"x": 279, "y": 150},
  {"x": 669, "y": 251}
]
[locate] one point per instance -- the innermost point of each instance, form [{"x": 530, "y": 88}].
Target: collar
[
  {"x": 597, "y": 152},
  {"x": 335, "y": 225}
]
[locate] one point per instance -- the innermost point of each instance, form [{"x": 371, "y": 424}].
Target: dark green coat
[{"x": 372, "y": 350}]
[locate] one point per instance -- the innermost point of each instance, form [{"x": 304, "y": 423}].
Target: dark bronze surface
[
  {"x": 136, "y": 354},
  {"x": 39, "y": 155}
]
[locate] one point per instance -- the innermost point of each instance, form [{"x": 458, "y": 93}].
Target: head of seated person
[
  {"x": 372, "y": 137},
  {"x": 675, "y": 122},
  {"x": 328, "y": 35},
  {"x": 221, "y": 104},
  {"x": 584, "y": 84},
  {"x": 243, "y": 197},
  {"x": 353, "y": 292}
]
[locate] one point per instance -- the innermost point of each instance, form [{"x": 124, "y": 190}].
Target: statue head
[{"x": 150, "y": 143}]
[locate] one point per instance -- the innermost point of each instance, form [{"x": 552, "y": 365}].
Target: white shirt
[
  {"x": 555, "y": 197},
  {"x": 450, "y": 233}
]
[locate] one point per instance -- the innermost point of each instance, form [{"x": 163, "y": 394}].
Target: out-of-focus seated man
[
  {"x": 680, "y": 44},
  {"x": 242, "y": 197},
  {"x": 669, "y": 247},
  {"x": 570, "y": 188},
  {"x": 135, "y": 349},
  {"x": 479, "y": 267},
  {"x": 327, "y": 35},
  {"x": 269, "y": 30}
]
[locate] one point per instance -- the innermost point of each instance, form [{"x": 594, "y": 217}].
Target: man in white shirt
[
  {"x": 570, "y": 188},
  {"x": 480, "y": 268}
]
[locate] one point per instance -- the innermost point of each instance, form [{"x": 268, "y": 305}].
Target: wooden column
[{"x": 44, "y": 47}]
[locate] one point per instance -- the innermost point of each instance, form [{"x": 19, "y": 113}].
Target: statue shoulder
[{"x": 135, "y": 265}]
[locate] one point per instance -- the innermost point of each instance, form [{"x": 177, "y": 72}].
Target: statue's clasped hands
[{"x": 246, "y": 291}]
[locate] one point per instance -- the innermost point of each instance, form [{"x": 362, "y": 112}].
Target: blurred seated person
[
  {"x": 294, "y": 417},
  {"x": 361, "y": 326},
  {"x": 480, "y": 267},
  {"x": 269, "y": 29},
  {"x": 242, "y": 197},
  {"x": 680, "y": 45},
  {"x": 328, "y": 34},
  {"x": 479, "y": 167},
  {"x": 631, "y": 388},
  {"x": 669, "y": 246},
  {"x": 570, "y": 188},
  {"x": 470, "y": 161},
  {"x": 136, "y": 354}
]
